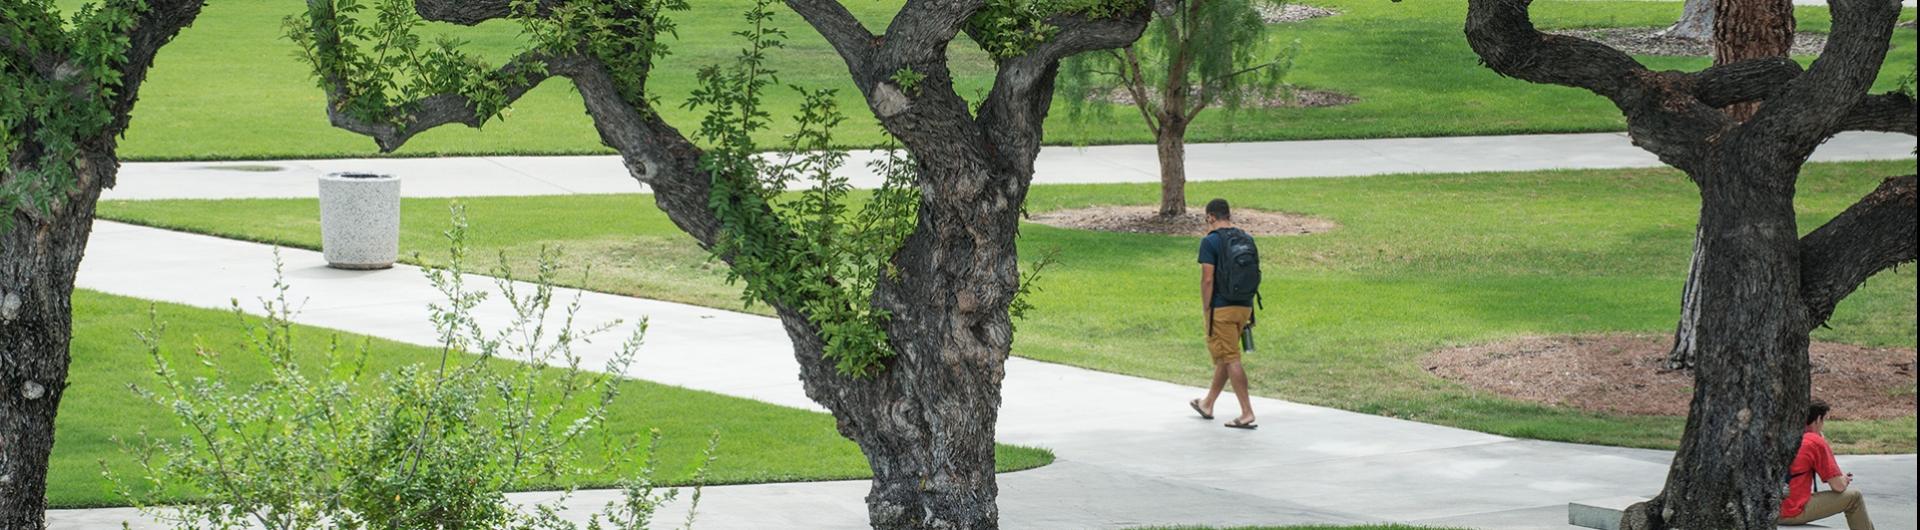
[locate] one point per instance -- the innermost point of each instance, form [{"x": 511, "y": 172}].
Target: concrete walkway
[
  {"x": 561, "y": 175},
  {"x": 1130, "y": 453}
]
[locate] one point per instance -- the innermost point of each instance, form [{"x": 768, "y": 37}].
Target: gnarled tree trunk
[
  {"x": 1170, "y": 143},
  {"x": 1751, "y": 384},
  {"x": 39, "y": 256},
  {"x": 925, "y": 420},
  {"x": 40, "y": 250},
  {"x": 1758, "y": 289},
  {"x": 1749, "y": 30}
]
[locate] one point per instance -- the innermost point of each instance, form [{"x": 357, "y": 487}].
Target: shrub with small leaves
[
  {"x": 425, "y": 446},
  {"x": 58, "y": 77},
  {"x": 1010, "y": 28}
]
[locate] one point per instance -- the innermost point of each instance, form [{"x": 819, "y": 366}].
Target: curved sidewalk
[
  {"x": 563, "y": 175},
  {"x": 1130, "y": 453}
]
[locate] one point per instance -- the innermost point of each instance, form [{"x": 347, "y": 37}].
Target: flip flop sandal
[
  {"x": 1196, "y": 408},
  {"x": 1238, "y": 425}
]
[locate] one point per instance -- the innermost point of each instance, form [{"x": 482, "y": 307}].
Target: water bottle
[{"x": 1246, "y": 339}]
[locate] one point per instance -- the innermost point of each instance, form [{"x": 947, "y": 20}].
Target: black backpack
[{"x": 1239, "y": 267}]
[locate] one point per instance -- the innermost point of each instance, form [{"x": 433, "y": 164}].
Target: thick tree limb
[
  {"x": 1887, "y": 112},
  {"x": 1014, "y": 110},
  {"x": 473, "y": 12},
  {"x": 655, "y": 153},
  {"x": 1078, "y": 33},
  {"x": 1502, "y": 33},
  {"x": 849, "y": 37},
  {"x": 919, "y": 33},
  {"x": 1745, "y": 81},
  {"x": 1808, "y": 111},
  {"x": 1663, "y": 116},
  {"x": 1872, "y": 235},
  {"x": 441, "y": 109}
]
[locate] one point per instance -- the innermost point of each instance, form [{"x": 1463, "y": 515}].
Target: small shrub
[{"x": 423, "y": 446}]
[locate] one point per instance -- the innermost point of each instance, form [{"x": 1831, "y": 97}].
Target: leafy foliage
[
  {"x": 424, "y": 446},
  {"x": 908, "y": 80},
  {"x": 1010, "y": 28},
  {"x": 58, "y": 82},
  {"x": 376, "y": 68},
  {"x": 813, "y": 252},
  {"x": 1217, "y": 52}
]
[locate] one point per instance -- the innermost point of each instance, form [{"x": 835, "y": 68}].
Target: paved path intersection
[
  {"x": 563, "y": 175},
  {"x": 1129, "y": 452}
]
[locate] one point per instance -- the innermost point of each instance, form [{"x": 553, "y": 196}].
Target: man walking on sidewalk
[{"x": 1229, "y": 282}]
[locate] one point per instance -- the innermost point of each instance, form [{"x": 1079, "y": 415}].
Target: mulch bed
[
  {"x": 1291, "y": 12},
  {"x": 1294, "y": 98},
  {"x": 1647, "y": 41},
  {"x": 1146, "y": 220},
  {"x": 1622, "y": 374}
]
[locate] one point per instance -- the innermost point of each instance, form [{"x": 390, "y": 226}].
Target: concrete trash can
[{"x": 360, "y": 220}]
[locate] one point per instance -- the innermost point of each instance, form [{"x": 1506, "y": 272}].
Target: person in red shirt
[{"x": 1803, "y": 505}]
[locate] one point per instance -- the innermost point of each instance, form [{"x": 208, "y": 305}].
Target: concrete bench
[{"x": 1604, "y": 514}]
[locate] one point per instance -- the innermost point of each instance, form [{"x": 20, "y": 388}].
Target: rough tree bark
[
  {"x": 1748, "y": 30},
  {"x": 1696, "y": 22},
  {"x": 39, "y": 255},
  {"x": 925, "y": 422},
  {"x": 1761, "y": 288},
  {"x": 1170, "y": 143}
]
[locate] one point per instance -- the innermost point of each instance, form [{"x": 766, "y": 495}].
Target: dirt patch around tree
[
  {"x": 1648, "y": 41},
  {"x": 1622, "y": 374},
  {"x": 1291, "y": 12},
  {"x": 1289, "y": 98},
  {"x": 1146, "y": 220}
]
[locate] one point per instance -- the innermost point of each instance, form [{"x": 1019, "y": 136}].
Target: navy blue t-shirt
[{"x": 1210, "y": 254}]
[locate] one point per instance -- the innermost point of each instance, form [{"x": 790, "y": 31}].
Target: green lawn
[
  {"x": 758, "y": 442},
  {"x": 230, "y": 88},
  {"x": 1419, "y": 262}
]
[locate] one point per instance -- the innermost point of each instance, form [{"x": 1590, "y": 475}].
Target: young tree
[
  {"x": 67, "y": 87},
  {"x": 911, "y": 370},
  {"x": 1750, "y": 30},
  {"x": 1762, "y": 287},
  {"x": 1195, "y": 54}
]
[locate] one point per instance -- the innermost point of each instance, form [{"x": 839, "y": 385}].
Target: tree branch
[
  {"x": 1724, "y": 85},
  {"x": 920, "y": 31},
  {"x": 655, "y": 153},
  {"x": 849, "y": 37},
  {"x": 441, "y": 109},
  {"x": 1502, "y": 33},
  {"x": 1016, "y": 105},
  {"x": 473, "y": 12},
  {"x": 13, "y": 48},
  {"x": 1872, "y": 235},
  {"x": 1137, "y": 86},
  {"x": 1808, "y": 111},
  {"x": 1885, "y": 112},
  {"x": 1663, "y": 116},
  {"x": 1211, "y": 85}
]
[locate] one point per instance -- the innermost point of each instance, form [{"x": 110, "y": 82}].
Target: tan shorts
[{"x": 1224, "y": 342}]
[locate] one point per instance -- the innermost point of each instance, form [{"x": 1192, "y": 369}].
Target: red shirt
[{"x": 1815, "y": 458}]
